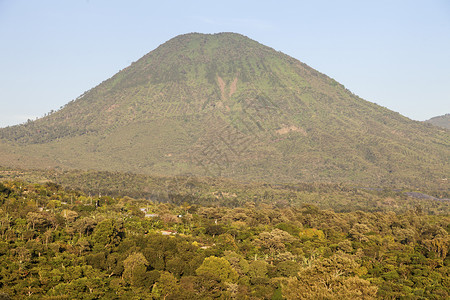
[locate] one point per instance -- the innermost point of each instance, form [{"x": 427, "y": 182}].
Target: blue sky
[{"x": 395, "y": 53}]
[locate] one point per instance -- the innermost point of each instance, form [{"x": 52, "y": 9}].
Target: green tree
[
  {"x": 135, "y": 266},
  {"x": 166, "y": 285},
  {"x": 106, "y": 234},
  {"x": 217, "y": 267}
]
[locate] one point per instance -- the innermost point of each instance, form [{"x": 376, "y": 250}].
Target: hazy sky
[{"x": 395, "y": 53}]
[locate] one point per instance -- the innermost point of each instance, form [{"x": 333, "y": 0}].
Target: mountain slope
[
  {"x": 225, "y": 105},
  {"x": 441, "y": 121}
]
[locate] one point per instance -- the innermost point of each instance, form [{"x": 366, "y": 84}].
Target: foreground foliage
[{"x": 63, "y": 244}]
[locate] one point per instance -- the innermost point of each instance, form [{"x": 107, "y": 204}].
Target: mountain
[
  {"x": 225, "y": 105},
  {"x": 441, "y": 121}
]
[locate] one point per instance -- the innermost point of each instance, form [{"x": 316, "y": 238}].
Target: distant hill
[
  {"x": 441, "y": 121},
  {"x": 225, "y": 105}
]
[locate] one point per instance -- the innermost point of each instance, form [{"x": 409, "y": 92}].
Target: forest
[{"x": 62, "y": 243}]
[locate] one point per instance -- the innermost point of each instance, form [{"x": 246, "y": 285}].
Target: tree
[
  {"x": 237, "y": 262},
  {"x": 358, "y": 231},
  {"x": 274, "y": 241},
  {"x": 69, "y": 215},
  {"x": 135, "y": 266},
  {"x": 40, "y": 221},
  {"x": 84, "y": 225},
  {"x": 217, "y": 267},
  {"x": 226, "y": 242},
  {"x": 166, "y": 285},
  {"x": 106, "y": 234},
  {"x": 22, "y": 254},
  {"x": 331, "y": 278},
  {"x": 257, "y": 271}
]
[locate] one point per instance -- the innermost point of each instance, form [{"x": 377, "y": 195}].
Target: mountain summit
[{"x": 225, "y": 105}]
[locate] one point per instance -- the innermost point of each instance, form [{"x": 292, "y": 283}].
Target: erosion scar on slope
[
  {"x": 233, "y": 87},
  {"x": 222, "y": 86}
]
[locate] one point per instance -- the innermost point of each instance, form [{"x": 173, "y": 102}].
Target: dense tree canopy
[{"x": 63, "y": 244}]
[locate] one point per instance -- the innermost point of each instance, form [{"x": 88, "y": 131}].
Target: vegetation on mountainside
[
  {"x": 63, "y": 244},
  {"x": 225, "y": 105},
  {"x": 230, "y": 193},
  {"x": 441, "y": 121}
]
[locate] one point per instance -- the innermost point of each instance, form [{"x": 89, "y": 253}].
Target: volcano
[{"x": 225, "y": 105}]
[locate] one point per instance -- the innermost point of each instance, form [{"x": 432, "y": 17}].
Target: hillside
[
  {"x": 441, "y": 121},
  {"x": 225, "y": 105}
]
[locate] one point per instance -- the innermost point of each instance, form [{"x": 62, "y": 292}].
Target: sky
[{"x": 395, "y": 53}]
